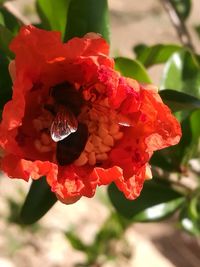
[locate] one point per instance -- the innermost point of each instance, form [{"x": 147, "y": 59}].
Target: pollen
[
  {"x": 43, "y": 142},
  {"x": 104, "y": 131}
]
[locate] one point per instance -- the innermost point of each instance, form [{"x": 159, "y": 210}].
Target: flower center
[
  {"x": 104, "y": 132},
  {"x": 90, "y": 139},
  {"x": 43, "y": 143}
]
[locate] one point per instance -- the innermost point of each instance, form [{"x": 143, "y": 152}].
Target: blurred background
[{"x": 52, "y": 241}]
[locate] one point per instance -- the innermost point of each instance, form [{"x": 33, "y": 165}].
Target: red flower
[{"x": 74, "y": 119}]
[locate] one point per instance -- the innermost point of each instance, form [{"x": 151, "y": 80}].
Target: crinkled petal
[{"x": 16, "y": 167}]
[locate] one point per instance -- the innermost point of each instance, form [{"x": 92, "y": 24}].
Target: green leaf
[
  {"x": 132, "y": 68},
  {"x": 157, "y": 201},
  {"x": 38, "y": 201},
  {"x": 181, "y": 153},
  {"x": 9, "y": 21},
  {"x": 87, "y": 16},
  {"x": 3, "y": 1},
  {"x": 5, "y": 56},
  {"x": 76, "y": 242},
  {"x": 197, "y": 29},
  {"x": 5, "y": 82},
  {"x": 5, "y": 38},
  {"x": 191, "y": 226},
  {"x": 160, "y": 211},
  {"x": 179, "y": 101},
  {"x": 182, "y": 73},
  {"x": 156, "y": 54},
  {"x": 193, "y": 148},
  {"x": 183, "y": 7},
  {"x": 53, "y": 14},
  {"x": 190, "y": 216}
]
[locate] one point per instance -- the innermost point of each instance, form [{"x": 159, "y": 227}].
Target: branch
[{"x": 179, "y": 24}]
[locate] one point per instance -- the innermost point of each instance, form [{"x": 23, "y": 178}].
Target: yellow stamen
[
  {"x": 82, "y": 160},
  {"x": 108, "y": 140},
  {"x": 92, "y": 158}
]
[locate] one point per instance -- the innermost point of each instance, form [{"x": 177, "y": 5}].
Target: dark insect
[
  {"x": 70, "y": 135},
  {"x": 70, "y": 148},
  {"x": 65, "y": 94},
  {"x": 63, "y": 125},
  {"x": 68, "y": 105}
]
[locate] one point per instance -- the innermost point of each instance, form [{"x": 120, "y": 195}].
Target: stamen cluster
[{"x": 104, "y": 130}]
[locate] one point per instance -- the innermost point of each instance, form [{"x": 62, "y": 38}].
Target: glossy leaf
[
  {"x": 38, "y": 201},
  {"x": 179, "y": 101},
  {"x": 156, "y": 54},
  {"x": 87, "y": 16},
  {"x": 132, "y": 68},
  {"x": 53, "y": 14},
  {"x": 157, "y": 201},
  {"x": 182, "y": 73},
  {"x": 183, "y": 7},
  {"x": 159, "y": 211}
]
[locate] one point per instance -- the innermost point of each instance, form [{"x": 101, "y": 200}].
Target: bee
[
  {"x": 63, "y": 124},
  {"x": 70, "y": 135},
  {"x": 70, "y": 148},
  {"x": 68, "y": 102}
]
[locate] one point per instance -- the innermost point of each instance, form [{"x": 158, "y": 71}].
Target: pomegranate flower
[{"x": 77, "y": 121}]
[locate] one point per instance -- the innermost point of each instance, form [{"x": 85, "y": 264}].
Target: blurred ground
[{"x": 155, "y": 245}]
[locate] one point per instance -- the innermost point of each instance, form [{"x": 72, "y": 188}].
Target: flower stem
[{"x": 178, "y": 24}]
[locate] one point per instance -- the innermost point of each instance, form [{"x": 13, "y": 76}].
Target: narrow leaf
[
  {"x": 76, "y": 242},
  {"x": 188, "y": 221},
  {"x": 53, "y": 14},
  {"x": 179, "y": 101},
  {"x": 38, "y": 202},
  {"x": 87, "y": 16},
  {"x": 156, "y": 54}
]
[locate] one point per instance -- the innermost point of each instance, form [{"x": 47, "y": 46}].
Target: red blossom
[{"x": 120, "y": 123}]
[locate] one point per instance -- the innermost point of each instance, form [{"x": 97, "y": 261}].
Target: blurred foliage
[
  {"x": 183, "y": 7},
  {"x": 104, "y": 245},
  {"x": 156, "y": 54}
]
